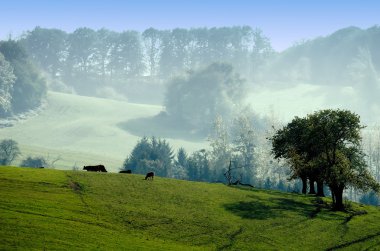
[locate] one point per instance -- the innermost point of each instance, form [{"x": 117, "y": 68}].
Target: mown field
[
  {"x": 85, "y": 130},
  {"x": 44, "y": 209}
]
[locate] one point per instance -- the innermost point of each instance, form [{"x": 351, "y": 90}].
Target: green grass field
[
  {"x": 44, "y": 209},
  {"x": 84, "y": 131}
]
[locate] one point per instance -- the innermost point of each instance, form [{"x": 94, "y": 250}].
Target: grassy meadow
[
  {"x": 85, "y": 130},
  {"x": 45, "y": 209}
]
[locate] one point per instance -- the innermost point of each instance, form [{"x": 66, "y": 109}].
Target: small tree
[
  {"x": 33, "y": 162},
  {"x": 8, "y": 151},
  {"x": 150, "y": 154},
  {"x": 180, "y": 166}
]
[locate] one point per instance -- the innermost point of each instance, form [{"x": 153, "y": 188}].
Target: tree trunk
[
  {"x": 304, "y": 185},
  {"x": 312, "y": 189},
  {"x": 332, "y": 195},
  {"x": 320, "y": 192},
  {"x": 338, "y": 205}
]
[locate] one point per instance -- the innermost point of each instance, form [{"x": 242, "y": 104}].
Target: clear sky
[{"x": 283, "y": 21}]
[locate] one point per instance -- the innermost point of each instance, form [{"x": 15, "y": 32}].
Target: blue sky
[{"x": 283, "y": 21}]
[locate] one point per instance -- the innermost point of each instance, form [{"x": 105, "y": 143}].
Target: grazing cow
[
  {"x": 98, "y": 168},
  {"x": 149, "y": 175},
  {"x": 126, "y": 171}
]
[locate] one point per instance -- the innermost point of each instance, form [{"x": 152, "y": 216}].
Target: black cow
[
  {"x": 98, "y": 168},
  {"x": 149, "y": 175},
  {"x": 126, "y": 171}
]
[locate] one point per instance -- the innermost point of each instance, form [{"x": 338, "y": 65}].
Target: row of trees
[
  {"x": 325, "y": 147},
  {"x": 237, "y": 142},
  {"x": 21, "y": 84},
  {"x": 107, "y": 56}
]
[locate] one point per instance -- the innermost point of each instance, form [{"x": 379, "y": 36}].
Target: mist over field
[
  {"x": 188, "y": 104},
  {"x": 186, "y": 78}
]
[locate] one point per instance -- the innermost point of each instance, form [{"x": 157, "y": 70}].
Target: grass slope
[
  {"x": 84, "y": 130},
  {"x": 42, "y": 209}
]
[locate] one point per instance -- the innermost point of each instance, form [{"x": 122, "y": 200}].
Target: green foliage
[
  {"x": 199, "y": 166},
  {"x": 326, "y": 146},
  {"x": 51, "y": 209},
  {"x": 9, "y": 151},
  {"x": 150, "y": 154}
]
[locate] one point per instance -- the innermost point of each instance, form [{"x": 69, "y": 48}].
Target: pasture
[
  {"x": 85, "y": 130},
  {"x": 44, "y": 209}
]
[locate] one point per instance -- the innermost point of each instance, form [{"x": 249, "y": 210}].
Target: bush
[{"x": 34, "y": 162}]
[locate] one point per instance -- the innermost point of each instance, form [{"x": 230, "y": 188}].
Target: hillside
[
  {"x": 42, "y": 209},
  {"x": 330, "y": 60},
  {"x": 84, "y": 130},
  {"x": 343, "y": 67}
]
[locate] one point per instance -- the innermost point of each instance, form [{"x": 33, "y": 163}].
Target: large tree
[
  {"x": 291, "y": 143},
  {"x": 197, "y": 99},
  {"x": 329, "y": 144},
  {"x": 337, "y": 134}
]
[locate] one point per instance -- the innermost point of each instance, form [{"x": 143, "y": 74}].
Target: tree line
[
  {"x": 323, "y": 148},
  {"x": 90, "y": 58}
]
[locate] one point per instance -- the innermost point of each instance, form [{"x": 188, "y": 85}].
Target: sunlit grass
[{"x": 51, "y": 209}]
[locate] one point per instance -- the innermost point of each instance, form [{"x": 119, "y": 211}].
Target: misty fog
[{"x": 98, "y": 92}]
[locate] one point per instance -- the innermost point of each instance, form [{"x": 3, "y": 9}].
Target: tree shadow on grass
[
  {"x": 162, "y": 126},
  {"x": 271, "y": 208}
]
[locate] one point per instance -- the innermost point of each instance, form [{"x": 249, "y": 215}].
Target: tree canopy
[{"x": 326, "y": 147}]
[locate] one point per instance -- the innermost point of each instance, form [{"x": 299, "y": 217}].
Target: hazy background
[
  {"x": 284, "y": 22},
  {"x": 97, "y": 83}
]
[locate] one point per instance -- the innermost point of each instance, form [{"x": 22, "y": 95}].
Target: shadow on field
[
  {"x": 161, "y": 126},
  {"x": 271, "y": 208}
]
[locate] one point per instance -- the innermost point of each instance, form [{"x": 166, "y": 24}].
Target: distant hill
[
  {"x": 42, "y": 209},
  {"x": 84, "y": 130},
  {"x": 337, "y": 59},
  {"x": 345, "y": 66}
]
